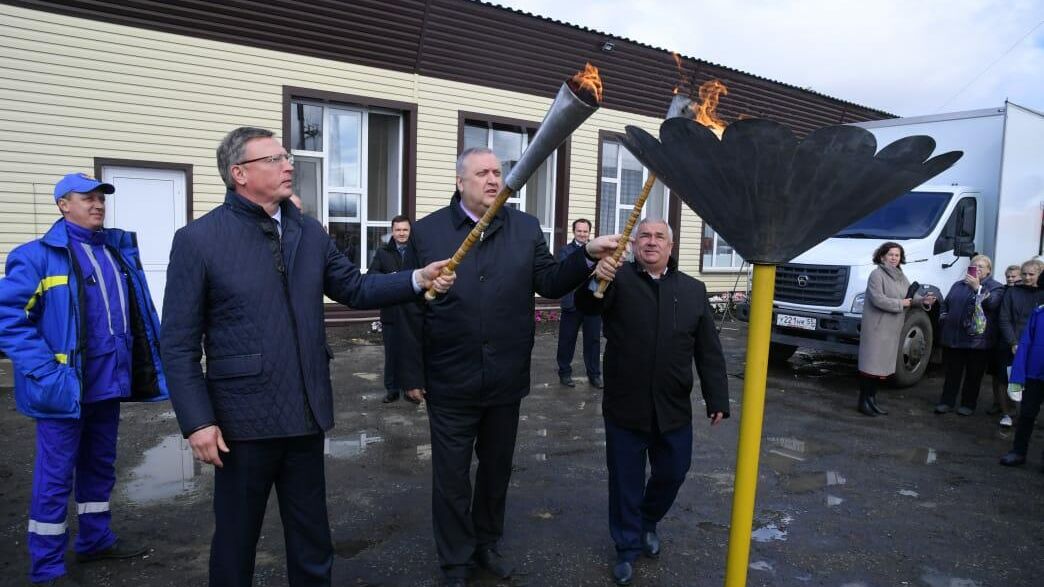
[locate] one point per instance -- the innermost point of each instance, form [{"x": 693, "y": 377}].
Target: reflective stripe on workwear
[
  {"x": 47, "y": 529},
  {"x": 92, "y": 507},
  {"x": 45, "y": 284}
]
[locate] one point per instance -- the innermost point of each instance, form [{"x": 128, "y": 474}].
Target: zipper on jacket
[{"x": 81, "y": 332}]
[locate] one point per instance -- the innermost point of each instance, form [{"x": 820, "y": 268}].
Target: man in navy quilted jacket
[{"x": 247, "y": 281}]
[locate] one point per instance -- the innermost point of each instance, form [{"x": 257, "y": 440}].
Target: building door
[{"x": 151, "y": 203}]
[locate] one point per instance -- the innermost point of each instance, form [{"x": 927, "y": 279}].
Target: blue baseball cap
[{"x": 80, "y": 183}]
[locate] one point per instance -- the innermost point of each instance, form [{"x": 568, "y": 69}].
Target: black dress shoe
[
  {"x": 391, "y": 396},
  {"x": 118, "y": 550},
  {"x": 865, "y": 409},
  {"x": 596, "y": 382},
  {"x": 490, "y": 559},
  {"x": 567, "y": 380},
  {"x": 623, "y": 572},
  {"x": 872, "y": 400},
  {"x": 942, "y": 408},
  {"x": 1013, "y": 459},
  {"x": 651, "y": 544}
]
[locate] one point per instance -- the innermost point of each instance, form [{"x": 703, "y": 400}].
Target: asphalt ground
[{"x": 843, "y": 500}]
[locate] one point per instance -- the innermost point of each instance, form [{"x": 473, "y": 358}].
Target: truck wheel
[
  {"x": 779, "y": 353},
  {"x": 915, "y": 349}
]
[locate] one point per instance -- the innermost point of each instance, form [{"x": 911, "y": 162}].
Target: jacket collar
[
  {"x": 672, "y": 267},
  {"x": 460, "y": 217},
  {"x": 58, "y": 236}
]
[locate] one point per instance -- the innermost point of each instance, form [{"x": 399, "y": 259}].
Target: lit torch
[
  {"x": 577, "y": 100},
  {"x": 681, "y": 107}
]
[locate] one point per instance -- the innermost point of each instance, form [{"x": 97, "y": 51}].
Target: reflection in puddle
[
  {"x": 761, "y": 566},
  {"x": 812, "y": 481},
  {"x": 166, "y": 471},
  {"x": 346, "y": 448},
  {"x": 768, "y": 534},
  {"x": 934, "y": 578},
  {"x": 366, "y": 376},
  {"x": 424, "y": 452},
  {"x": 918, "y": 456},
  {"x": 833, "y": 500},
  {"x": 908, "y": 493}
]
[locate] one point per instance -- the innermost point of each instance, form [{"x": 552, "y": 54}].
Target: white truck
[{"x": 989, "y": 202}]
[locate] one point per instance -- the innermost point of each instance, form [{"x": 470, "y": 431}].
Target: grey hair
[
  {"x": 468, "y": 153},
  {"x": 230, "y": 151},
  {"x": 654, "y": 220}
]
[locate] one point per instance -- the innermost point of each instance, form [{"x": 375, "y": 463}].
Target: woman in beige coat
[{"x": 884, "y": 311}]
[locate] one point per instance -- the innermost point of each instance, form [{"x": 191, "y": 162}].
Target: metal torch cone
[{"x": 566, "y": 114}]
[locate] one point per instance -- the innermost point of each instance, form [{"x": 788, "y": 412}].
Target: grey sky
[{"x": 908, "y": 57}]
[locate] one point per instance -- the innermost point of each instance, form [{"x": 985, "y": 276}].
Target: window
[
  {"x": 715, "y": 253},
  {"x": 621, "y": 182},
  {"x": 508, "y": 142},
  {"x": 348, "y": 171}
]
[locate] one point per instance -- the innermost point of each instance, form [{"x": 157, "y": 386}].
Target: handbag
[{"x": 976, "y": 323}]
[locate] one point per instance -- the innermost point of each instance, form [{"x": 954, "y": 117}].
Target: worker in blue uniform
[{"x": 79, "y": 325}]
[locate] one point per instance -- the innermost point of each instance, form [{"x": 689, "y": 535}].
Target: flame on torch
[
  {"x": 589, "y": 81},
  {"x": 706, "y": 114}
]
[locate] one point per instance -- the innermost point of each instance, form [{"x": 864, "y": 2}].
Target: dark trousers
[
  {"x": 390, "y": 334},
  {"x": 1032, "y": 396},
  {"x": 636, "y": 505},
  {"x": 568, "y": 328},
  {"x": 295, "y": 466},
  {"x": 969, "y": 363},
  {"x": 464, "y": 522}
]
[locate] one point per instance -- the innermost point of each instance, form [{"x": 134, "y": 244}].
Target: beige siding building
[{"x": 145, "y": 107}]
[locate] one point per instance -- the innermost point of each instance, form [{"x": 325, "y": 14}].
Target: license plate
[{"x": 795, "y": 322}]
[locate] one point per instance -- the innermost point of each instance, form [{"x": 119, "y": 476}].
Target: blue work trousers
[{"x": 72, "y": 453}]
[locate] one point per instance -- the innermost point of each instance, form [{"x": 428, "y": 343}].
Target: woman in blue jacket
[{"x": 1027, "y": 372}]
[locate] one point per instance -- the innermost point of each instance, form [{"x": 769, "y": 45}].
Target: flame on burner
[{"x": 706, "y": 114}]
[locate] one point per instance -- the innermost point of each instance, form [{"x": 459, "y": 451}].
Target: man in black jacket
[
  {"x": 571, "y": 321},
  {"x": 658, "y": 321},
  {"x": 468, "y": 353},
  {"x": 247, "y": 279},
  {"x": 392, "y": 258}
]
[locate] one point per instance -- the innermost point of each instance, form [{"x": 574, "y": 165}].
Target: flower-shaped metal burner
[{"x": 772, "y": 196}]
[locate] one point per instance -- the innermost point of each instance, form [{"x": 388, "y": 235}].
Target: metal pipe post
[{"x": 751, "y": 417}]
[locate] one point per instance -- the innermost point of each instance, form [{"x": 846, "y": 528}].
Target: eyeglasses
[{"x": 271, "y": 159}]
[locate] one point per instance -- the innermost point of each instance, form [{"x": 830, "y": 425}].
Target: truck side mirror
[{"x": 964, "y": 248}]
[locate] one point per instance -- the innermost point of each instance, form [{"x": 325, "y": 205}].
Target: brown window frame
[
  {"x": 560, "y": 229},
  {"x": 673, "y": 202},
  {"x": 409, "y": 114}
]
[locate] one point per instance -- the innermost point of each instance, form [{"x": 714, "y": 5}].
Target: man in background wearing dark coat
[
  {"x": 658, "y": 321},
  {"x": 247, "y": 281},
  {"x": 468, "y": 353},
  {"x": 391, "y": 258},
  {"x": 571, "y": 321}
]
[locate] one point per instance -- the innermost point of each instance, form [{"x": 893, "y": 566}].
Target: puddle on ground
[
  {"x": 167, "y": 470},
  {"x": 909, "y": 493},
  {"x": 350, "y": 548},
  {"x": 424, "y": 452},
  {"x": 768, "y": 534},
  {"x": 806, "y": 482},
  {"x": 918, "y": 455},
  {"x": 762, "y": 566},
  {"x": 833, "y": 501},
  {"x": 349, "y": 447},
  {"x": 934, "y": 578}
]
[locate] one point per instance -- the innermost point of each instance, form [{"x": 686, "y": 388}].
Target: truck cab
[{"x": 819, "y": 295}]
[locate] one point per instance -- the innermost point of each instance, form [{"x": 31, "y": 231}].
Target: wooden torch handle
[
  {"x": 621, "y": 246},
  {"x": 473, "y": 237}
]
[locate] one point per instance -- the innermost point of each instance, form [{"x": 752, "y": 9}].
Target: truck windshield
[{"x": 912, "y": 215}]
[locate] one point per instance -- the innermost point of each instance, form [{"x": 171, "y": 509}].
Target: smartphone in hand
[{"x": 973, "y": 271}]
